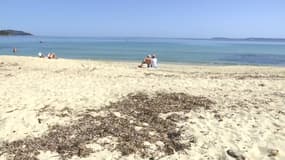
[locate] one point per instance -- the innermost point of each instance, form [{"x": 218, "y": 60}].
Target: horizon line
[{"x": 162, "y": 37}]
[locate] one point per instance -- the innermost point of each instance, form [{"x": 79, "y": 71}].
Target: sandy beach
[{"x": 236, "y": 109}]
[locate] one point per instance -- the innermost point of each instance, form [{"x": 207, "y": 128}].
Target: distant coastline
[
  {"x": 213, "y": 38},
  {"x": 247, "y": 39},
  {"x": 10, "y": 32}
]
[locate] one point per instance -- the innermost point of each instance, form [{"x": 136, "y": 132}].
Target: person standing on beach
[{"x": 14, "y": 50}]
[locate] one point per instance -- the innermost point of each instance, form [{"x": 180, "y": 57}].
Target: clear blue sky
[{"x": 154, "y": 18}]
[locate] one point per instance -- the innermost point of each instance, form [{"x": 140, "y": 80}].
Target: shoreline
[{"x": 164, "y": 63}]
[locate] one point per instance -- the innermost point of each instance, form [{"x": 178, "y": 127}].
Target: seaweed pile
[{"x": 140, "y": 122}]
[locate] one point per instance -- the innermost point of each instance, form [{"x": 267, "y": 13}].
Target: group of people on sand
[
  {"x": 150, "y": 61},
  {"x": 50, "y": 55}
]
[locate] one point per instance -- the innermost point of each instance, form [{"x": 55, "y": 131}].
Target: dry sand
[{"x": 248, "y": 116}]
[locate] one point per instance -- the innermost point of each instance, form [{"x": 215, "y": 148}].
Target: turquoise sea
[{"x": 200, "y": 51}]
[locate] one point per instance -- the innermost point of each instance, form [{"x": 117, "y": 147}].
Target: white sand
[{"x": 252, "y": 127}]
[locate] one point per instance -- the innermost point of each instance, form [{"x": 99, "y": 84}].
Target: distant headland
[
  {"x": 248, "y": 39},
  {"x": 13, "y": 33}
]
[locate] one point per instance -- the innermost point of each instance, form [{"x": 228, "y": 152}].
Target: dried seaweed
[
  {"x": 160, "y": 75},
  {"x": 136, "y": 111}
]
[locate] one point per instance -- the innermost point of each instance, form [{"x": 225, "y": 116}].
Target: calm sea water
[{"x": 134, "y": 49}]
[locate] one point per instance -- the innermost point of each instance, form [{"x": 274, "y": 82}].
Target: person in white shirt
[
  {"x": 41, "y": 55},
  {"x": 154, "y": 61}
]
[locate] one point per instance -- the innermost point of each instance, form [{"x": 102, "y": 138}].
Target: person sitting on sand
[
  {"x": 147, "y": 61},
  {"x": 41, "y": 55},
  {"x": 154, "y": 61},
  {"x": 51, "y": 56}
]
